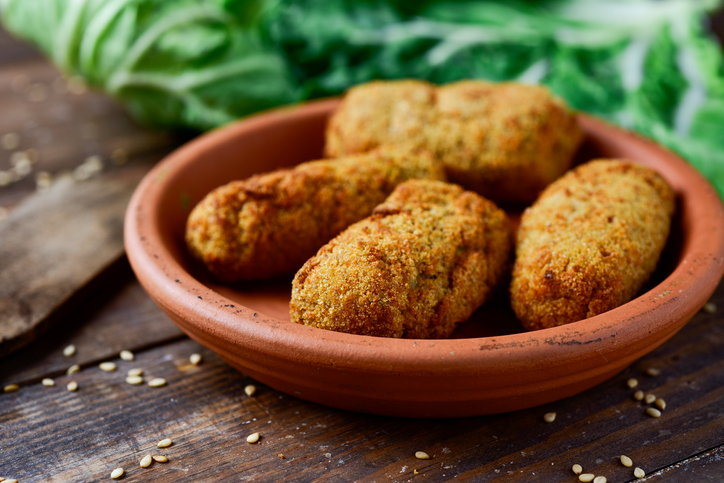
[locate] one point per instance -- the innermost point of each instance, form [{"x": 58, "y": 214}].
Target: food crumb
[
  {"x": 709, "y": 307},
  {"x": 653, "y": 371},
  {"x": 549, "y": 417}
]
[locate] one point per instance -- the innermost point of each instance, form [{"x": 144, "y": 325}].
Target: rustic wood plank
[
  {"x": 54, "y": 244},
  {"x": 62, "y": 124},
  {"x": 13, "y": 50},
  {"x": 118, "y": 316},
  {"x": 703, "y": 468},
  {"x": 108, "y": 423}
]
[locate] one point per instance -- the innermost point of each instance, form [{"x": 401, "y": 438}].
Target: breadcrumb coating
[
  {"x": 506, "y": 141},
  {"x": 423, "y": 262},
  {"x": 589, "y": 243},
  {"x": 270, "y": 224}
]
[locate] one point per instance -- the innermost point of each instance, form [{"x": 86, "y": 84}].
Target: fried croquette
[
  {"x": 505, "y": 141},
  {"x": 270, "y": 224},
  {"x": 589, "y": 243},
  {"x": 420, "y": 264}
]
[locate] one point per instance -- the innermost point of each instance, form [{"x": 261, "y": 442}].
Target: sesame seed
[
  {"x": 117, "y": 473},
  {"x": 654, "y": 413},
  {"x": 127, "y": 355},
  {"x": 134, "y": 380},
  {"x": 650, "y": 398},
  {"x": 48, "y": 382},
  {"x": 586, "y": 477},
  {"x": 146, "y": 461},
  {"x": 421, "y": 455},
  {"x": 135, "y": 372},
  {"x": 119, "y": 156},
  {"x": 577, "y": 469},
  {"x": 73, "y": 369},
  {"x": 11, "y": 388},
  {"x": 599, "y": 479},
  {"x": 660, "y": 403},
  {"x": 69, "y": 351},
  {"x": 250, "y": 389},
  {"x": 160, "y": 458},
  {"x": 195, "y": 359},
  {"x": 639, "y": 473},
  {"x": 43, "y": 180},
  {"x": 626, "y": 461},
  {"x": 653, "y": 371},
  {"x": 253, "y": 438},
  {"x": 157, "y": 382},
  {"x": 639, "y": 395},
  {"x": 632, "y": 383},
  {"x": 10, "y": 141},
  {"x": 11, "y": 480},
  {"x": 549, "y": 417},
  {"x": 165, "y": 443},
  {"x": 107, "y": 366},
  {"x": 709, "y": 307},
  {"x": 72, "y": 386}
]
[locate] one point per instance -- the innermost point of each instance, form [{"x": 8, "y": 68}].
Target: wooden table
[{"x": 94, "y": 302}]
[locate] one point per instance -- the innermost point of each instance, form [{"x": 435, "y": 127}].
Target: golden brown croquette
[
  {"x": 589, "y": 243},
  {"x": 270, "y": 224},
  {"x": 505, "y": 141},
  {"x": 419, "y": 265}
]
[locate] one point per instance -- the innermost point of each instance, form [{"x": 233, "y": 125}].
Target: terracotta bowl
[{"x": 490, "y": 365}]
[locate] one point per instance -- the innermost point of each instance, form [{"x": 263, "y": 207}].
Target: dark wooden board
[{"x": 108, "y": 423}]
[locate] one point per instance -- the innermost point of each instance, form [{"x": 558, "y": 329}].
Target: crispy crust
[
  {"x": 420, "y": 264},
  {"x": 505, "y": 141},
  {"x": 270, "y": 224},
  {"x": 589, "y": 243}
]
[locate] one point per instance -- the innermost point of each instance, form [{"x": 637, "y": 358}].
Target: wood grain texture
[
  {"x": 118, "y": 316},
  {"x": 108, "y": 423},
  {"x": 54, "y": 244}
]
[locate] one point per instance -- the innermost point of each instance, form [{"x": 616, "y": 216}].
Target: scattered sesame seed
[
  {"x": 135, "y": 372},
  {"x": 107, "y": 366},
  {"x": 586, "y": 477},
  {"x": 69, "y": 351},
  {"x": 660, "y": 403},
  {"x": 2, "y": 479},
  {"x": 421, "y": 455},
  {"x": 21, "y": 165},
  {"x": 250, "y": 390},
  {"x": 134, "y": 380},
  {"x": 639, "y": 473},
  {"x": 146, "y": 461},
  {"x": 709, "y": 307},
  {"x": 11, "y": 480},
  {"x": 11, "y": 388},
  {"x": 599, "y": 479},
  {"x": 653, "y": 371},
  {"x": 38, "y": 92},
  {"x": 577, "y": 469},
  {"x": 253, "y": 438},
  {"x": 48, "y": 382},
  {"x": 127, "y": 355},
  {"x": 117, "y": 473},
  {"x": 626, "y": 461},
  {"x": 43, "y": 180},
  {"x": 119, "y": 156},
  {"x": 72, "y": 386},
  {"x": 10, "y": 141},
  {"x": 157, "y": 382},
  {"x": 165, "y": 443},
  {"x": 160, "y": 458},
  {"x": 649, "y": 398},
  {"x": 195, "y": 359},
  {"x": 549, "y": 417},
  {"x": 632, "y": 383},
  {"x": 654, "y": 413},
  {"x": 639, "y": 395},
  {"x": 73, "y": 369}
]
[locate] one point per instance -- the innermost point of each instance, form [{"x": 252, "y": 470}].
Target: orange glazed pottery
[{"x": 490, "y": 365}]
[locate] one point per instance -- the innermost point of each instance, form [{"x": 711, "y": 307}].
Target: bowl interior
[{"x": 281, "y": 140}]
